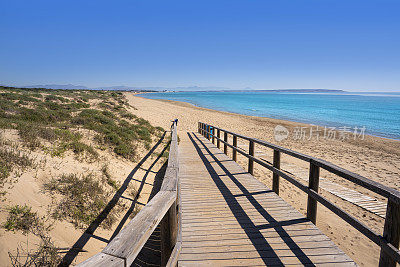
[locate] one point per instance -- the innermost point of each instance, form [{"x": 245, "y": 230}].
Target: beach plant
[
  {"x": 45, "y": 255},
  {"x": 108, "y": 178},
  {"x": 22, "y": 218},
  {"x": 10, "y": 160},
  {"x": 82, "y": 199}
]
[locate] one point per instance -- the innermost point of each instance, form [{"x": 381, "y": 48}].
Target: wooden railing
[
  {"x": 389, "y": 241},
  {"x": 163, "y": 209}
]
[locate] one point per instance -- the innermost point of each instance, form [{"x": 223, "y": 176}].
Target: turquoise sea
[{"x": 379, "y": 113}]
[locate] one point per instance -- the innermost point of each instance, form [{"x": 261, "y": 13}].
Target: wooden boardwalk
[{"x": 230, "y": 218}]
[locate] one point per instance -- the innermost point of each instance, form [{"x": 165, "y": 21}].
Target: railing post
[
  {"x": 219, "y": 136},
  {"x": 391, "y": 232},
  {"x": 226, "y": 140},
  {"x": 234, "y": 152},
  {"x": 275, "y": 176},
  {"x": 213, "y": 135},
  {"x": 251, "y": 162},
  {"x": 198, "y": 127},
  {"x": 314, "y": 185},
  {"x": 169, "y": 228}
]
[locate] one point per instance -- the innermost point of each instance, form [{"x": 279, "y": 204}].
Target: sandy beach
[{"x": 373, "y": 157}]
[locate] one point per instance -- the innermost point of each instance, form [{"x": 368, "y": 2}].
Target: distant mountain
[
  {"x": 118, "y": 88},
  {"x": 57, "y": 86}
]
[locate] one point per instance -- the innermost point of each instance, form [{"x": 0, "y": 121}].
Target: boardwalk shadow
[
  {"x": 252, "y": 231},
  {"x": 79, "y": 245}
]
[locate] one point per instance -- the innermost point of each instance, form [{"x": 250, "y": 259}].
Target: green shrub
[
  {"x": 23, "y": 219},
  {"x": 110, "y": 181},
  {"x": 29, "y": 135},
  {"x": 80, "y": 148},
  {"x": 83, "y": 198},
  {"x": 9, "y": 159},
  {"x": 126, "y": 151}
]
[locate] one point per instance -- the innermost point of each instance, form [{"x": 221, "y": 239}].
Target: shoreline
[{"x": 284, "y": 121}]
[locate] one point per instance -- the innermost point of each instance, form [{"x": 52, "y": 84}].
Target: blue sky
[{"x": 262, "y": 44}]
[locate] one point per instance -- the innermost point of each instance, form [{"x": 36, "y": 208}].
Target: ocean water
[{"x": 379, "y": 113}]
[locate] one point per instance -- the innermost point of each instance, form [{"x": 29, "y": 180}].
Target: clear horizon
[
  {"x": 200, "y": 90},
  {"x": 264, "y": 45}
]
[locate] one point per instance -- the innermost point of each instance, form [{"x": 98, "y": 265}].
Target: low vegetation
[
  {"x": 85, "y": 124},
  {"x": 22, "y": 218},
  {"x": 82, "y": 200},
  {"x": 108, "y": 179},
  {"x": 52, "y": 119},
  {"x": 10, "y": 160}
]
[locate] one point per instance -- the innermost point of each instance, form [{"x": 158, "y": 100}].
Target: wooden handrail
[
  {"x": 373, "y": 186},
  {"x": 164, "y": 209},
  {"x": 389, "y": 241}
]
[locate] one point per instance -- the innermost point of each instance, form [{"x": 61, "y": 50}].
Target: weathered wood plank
[
  {"x": 391, "y": 233},
  {"x": 102, "y": 260},
  {"x": 173, "y": 260},
  {"x": 134, "y": 235},
  {"x": 227, "y": 213}
]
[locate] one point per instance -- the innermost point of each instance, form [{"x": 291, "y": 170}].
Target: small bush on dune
[
  {"x": 83, "y": 198},
  {"x": 46, "y": 255},
  {"x": 22, "y": 218},
  {"x": 80, "y": 148},
  {"x": 67, "y": 135},
  {"x": 9, "y": 159},
  {"x": 109, "y": 180},
  {"x": 126, "y": 151}
]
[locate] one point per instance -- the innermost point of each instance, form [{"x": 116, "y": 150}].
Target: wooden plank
[
  {"x": 225, "y": 143},
  {"x": 313, "y": 185},
  {"x": 231, "y": 240},
  {"x": 169, "y": 228},
  {"x": 221, "y": 217},
  {"x": 234, "y": 153},
  {"x": 275, "y": 177},
  {"x": 102, "y": 260},
  {"x": 391, "y": 233},
  {"x": 173, "y": 260},
  {"x": 128, "y": 243},
  {"x": 328, "y": 260},
  {"x": 250, "y": 167}
]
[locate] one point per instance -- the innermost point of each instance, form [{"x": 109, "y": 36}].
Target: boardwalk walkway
[{"x": 230, "y": 218}]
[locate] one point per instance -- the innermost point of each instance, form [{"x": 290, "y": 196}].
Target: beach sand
[
  {"x": 28, "y": 189},
  {"x": 375, "y": 158}
]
